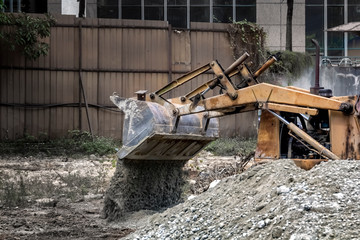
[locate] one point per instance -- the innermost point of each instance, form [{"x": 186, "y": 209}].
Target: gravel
[{"x": 271, "y": 201}]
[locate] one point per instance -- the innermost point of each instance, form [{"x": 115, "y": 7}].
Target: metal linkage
[{"x": 306, "y": 137}]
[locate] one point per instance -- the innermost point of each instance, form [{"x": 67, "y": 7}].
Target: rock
[
  {"x": 259, "y": 207},
  {"x": 282, "y": 190},
  {"x": 261, "y": 224},
  {"x": 191, "y": 197},
  {"x": 339, "y": 196},
  {"x": 316, "y": 204},
  {"x": 301, "y": 236},
  {"x": 46, "y": 202},
  {"x": 93, "y": 196},
  {"x": 276, "y": 232},
  {"x": 214, "y": 183}
]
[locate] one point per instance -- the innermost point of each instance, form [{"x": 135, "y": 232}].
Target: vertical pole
[
  {"x": 165, "y": 11},
  {"x": 234, "y": 10},
  {"x": 170, "y": 53},
  {"x": 11, "y": 7},
  {"x": 80, "y": 66},
  {"x": 325, "y": 27},
  {"x": 211, "y": 11},
  {"x": 142, "y": 10},
  {"x": 119, "y": 9},
  {"x": 80, "y": 78},
  {"x": 281, "y": 26},
  {"x": 82, "y": 7},
  {"x": 18, "y": 5},
  {"x": 188, "y": 14},
  {"x": 346, "y": 35}
]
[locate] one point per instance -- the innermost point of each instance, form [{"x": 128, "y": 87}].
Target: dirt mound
[
  {"x": 143, "y": 184},
  {"x": 270, "y": 201}
]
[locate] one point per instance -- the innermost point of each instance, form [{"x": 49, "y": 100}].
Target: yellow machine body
[{"x": 294, "y": 123}]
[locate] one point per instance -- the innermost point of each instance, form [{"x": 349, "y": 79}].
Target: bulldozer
[{"x": 308, "y": 126}]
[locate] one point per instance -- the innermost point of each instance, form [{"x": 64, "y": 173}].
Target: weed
[
  {"x": 76, "y": 143},
  {"x": 13, "y": 192},
  {"x": 232, "y": 146},
  {"x": 22, "y": 190}
]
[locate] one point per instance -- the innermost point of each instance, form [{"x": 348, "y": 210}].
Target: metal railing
[{"x": 340, "y": 61}]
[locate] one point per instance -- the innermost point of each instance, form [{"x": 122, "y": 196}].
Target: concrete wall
[{"x": 271, "y": 15}]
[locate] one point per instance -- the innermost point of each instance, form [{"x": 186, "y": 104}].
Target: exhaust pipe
[{"x": 316, "y": 88}]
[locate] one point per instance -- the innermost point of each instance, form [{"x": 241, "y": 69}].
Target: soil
[
  {"x": 64, "y": 198},
  {"x": 55, "y": 198}
]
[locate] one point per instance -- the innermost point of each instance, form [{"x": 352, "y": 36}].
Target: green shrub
[{"x": 292, "y": 64}]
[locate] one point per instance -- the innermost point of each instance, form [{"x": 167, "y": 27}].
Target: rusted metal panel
[
  {"x": 121, "y": 46},
  {"x": 156, "y": 47},
  {"x": 90, "y": 48},
  {"x": 344, "y": 135},
  {"x": 268, "y": 142},
  {"x": 181, "y": 49}
]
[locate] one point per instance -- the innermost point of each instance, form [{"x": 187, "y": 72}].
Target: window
[
  {"x": 27, "y": 6},
  {"x": 223, "y": 11},
  {"x": 315, "y": 26},
  {"x": 154, "y": 9},
  {"x": 354, "y": 10},
  {"x": 200, "y": 11},
  {"x": 131, "y": 9},
  {"x": 246, "y": 10},
  {"x": 314, "y": 17},
  {"x": 335, "y": 18},
  {"x": 108, "y": 9},
  {"x": 177, "y": 13}
]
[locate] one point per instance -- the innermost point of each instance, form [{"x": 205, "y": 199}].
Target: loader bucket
[{"x": 148, "y": 132}]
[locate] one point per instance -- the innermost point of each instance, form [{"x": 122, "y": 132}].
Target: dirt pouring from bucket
[
  {"x": 271, "y": 201},
  {"x": 143, "y": 184}
]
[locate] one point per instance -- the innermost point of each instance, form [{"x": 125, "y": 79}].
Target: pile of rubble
[{"x": 271, "y": 201}]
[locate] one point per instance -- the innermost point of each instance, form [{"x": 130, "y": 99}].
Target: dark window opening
[
  {"x": 177, "y": 13},
  {"x": 154, "y": 9},
  {"x": 108, "y": 9},
  {"x": 131, "y": 9},
  {"x": 27, "y": 6},
  {"x": 199, "y": 13},
  {"x": 223, "y": 11},
  {"x": 177, "y": 16},
  {"x": 314, "y": 25},
  {"x": 246, "y": 10},
  {"x": 246, "y": 13}
]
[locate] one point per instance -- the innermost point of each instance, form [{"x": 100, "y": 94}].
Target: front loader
[
  {"x": 308, "y": 126},
  {"x": 294, "y": 123}
]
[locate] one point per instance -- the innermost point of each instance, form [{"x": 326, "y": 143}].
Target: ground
[{"x": 63, "y": 198}]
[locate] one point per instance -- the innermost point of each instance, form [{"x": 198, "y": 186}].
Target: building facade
[{"x": 311, "y": 18}]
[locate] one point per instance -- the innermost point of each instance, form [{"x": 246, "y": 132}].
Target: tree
[
  {"x": 25, "y": 33},
  {"x": 289, "y": 16}
]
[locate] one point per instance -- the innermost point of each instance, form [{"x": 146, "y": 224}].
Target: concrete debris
[{"x": 271, "y": 201}]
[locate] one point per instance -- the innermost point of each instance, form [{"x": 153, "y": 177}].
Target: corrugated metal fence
[{"x": 109, "y": 55}]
